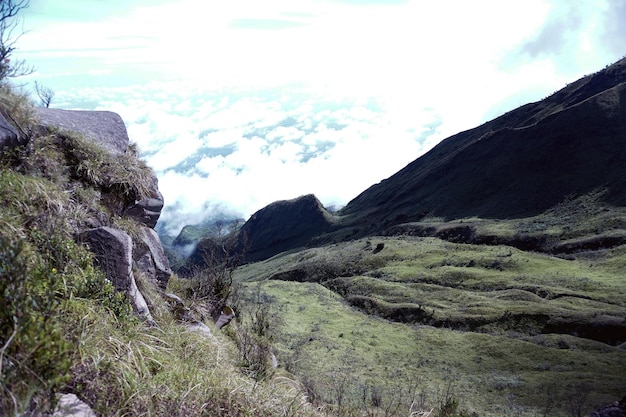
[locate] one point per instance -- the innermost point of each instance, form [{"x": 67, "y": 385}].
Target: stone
[
  {"x": 150, "y": 258},
  {"x": 147, "y": 210},
  {"x": 113, "y": 249},
  {"x": 177, "y": 307},
  {"x": 70, "y": 405},
  {"x": 225, "y": 317},
  {"x": 8, "y": 134},
  {"x": 105, "y": 128},
  {"x": 200, "y": 327}
]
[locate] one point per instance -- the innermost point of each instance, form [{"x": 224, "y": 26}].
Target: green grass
[
  {"x": 166, "y": 370},
  {"x": 64, "y": 328},
  {"x": 320, "y": 337},
  {"x": 383, "y": 326},
  {"x": 507, "y": 332}
]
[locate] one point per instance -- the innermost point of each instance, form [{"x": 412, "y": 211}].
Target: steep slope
[
  {"x": 518, "y": 164},
  {"x": 281, "y": 226}
]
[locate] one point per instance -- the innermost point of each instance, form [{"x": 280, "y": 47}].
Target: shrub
[{"x": 34, "y": 355}]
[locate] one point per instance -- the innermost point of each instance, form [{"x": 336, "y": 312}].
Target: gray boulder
[
  {"x": 148, "y": 210},
  {"x": 113, "y": 250},
  {"x": 8, "y": 135},
  {"x": 108, "y": 130},
  {"x": 225, "y": 317},
  {"x": 103, "y": 127},
  {"x": 150, "y": 258},
  {"x": 70, "y": 405}
]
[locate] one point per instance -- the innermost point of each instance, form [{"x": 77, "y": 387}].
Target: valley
[{"x": 425, "y": 320}]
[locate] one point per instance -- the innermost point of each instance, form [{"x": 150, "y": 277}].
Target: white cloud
[{"x": 258, "y": 101}]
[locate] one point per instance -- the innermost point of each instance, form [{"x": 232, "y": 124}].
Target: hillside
[
  {"x": 433, "y": 321},
  {"x": 516, "y": 165},
  {"x": 92, "y": 318},
  {"x": 484, "y": 278}
]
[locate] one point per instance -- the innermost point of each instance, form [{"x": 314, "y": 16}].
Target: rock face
[
  {"x": 116, "y": 253},
  {"x": 113, "y": 249},
  {"x": 150, "y": 258},
  {"x": 103, "y": 127},
  {"x": 281, "y": 226},
  {"x": 8, "y": 135},
  {"x": 148, "y": 210}
]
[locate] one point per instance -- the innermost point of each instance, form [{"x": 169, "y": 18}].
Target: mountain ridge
[{"x": 596, "y": 99}]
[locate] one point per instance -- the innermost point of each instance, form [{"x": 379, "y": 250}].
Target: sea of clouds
[
  {"x": 240, "y": 104},
  {"x": 230, "y": 153}
]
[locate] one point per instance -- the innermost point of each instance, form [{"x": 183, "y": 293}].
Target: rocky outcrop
[
  {"x": 148, "y": 210},
  {"x": 113, "y": 249},
  {"x": 150, "y": 258},
  {"x": 116, "y": 253},
  {"x": 103, "y": 127}
]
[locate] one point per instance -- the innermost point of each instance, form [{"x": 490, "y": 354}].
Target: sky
[{"x": 241, "y": 103}]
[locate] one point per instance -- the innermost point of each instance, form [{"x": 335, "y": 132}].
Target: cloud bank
[{"x": 247, "y": 103}]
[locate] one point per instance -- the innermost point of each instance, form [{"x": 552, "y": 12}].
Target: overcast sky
[{"x": 237, "y": 104}]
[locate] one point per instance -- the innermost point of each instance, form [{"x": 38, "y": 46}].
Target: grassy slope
[
  {"x": 477, "y": 317},
  {"x": 63, "y": 328}
]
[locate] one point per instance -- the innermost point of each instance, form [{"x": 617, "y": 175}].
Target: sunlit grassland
[
  {"x": 323, "y": 339},
  {"x": 509, "y": 332}
]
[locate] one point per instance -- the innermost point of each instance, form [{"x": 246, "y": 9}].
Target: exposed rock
[
  {"x": 281, "y": 226},
  {"x": 108, "y": 130},
  {"x": 103, "y": 127},
  {"x": 177, "y": 307},
  {"x": 148, "y": 210},
  {"x": 200, "y": 327},
  {"x": 113, "y": 251},
  {"x": 225, "y": 317},
  {"x": 70, "y": 405},
  {"x": 8, "y": 135},
  {"x": 150, "y": 258}
]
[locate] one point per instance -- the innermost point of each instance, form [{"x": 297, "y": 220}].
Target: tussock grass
[
  {"x": 131, "y": 369},
  {"x": 64, "y": 328}
]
